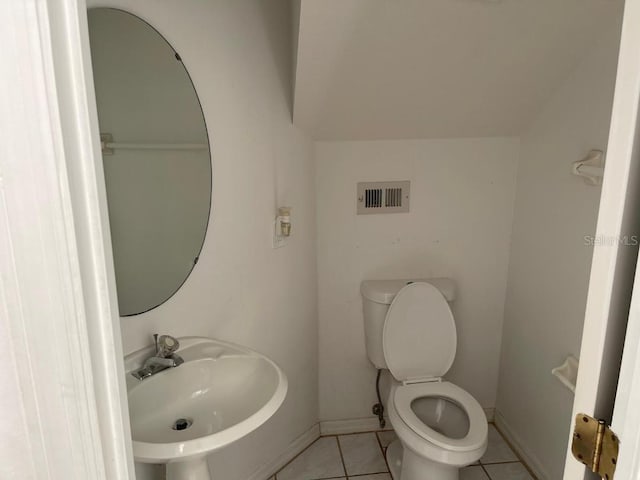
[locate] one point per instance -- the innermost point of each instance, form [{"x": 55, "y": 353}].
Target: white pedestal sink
[{"x": 219, "y": 394}]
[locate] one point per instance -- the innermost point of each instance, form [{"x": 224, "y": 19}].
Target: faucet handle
[
  {"x": 167, "y": 345},
  {"x": 155, "y": 341}
]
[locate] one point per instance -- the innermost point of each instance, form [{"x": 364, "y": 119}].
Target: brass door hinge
[{"x": 595, "y": 445}]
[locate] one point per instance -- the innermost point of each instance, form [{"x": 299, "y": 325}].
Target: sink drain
[{"x": 182, "y": 423}]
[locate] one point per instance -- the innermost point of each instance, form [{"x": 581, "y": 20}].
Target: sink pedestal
[{"x": 196, "y": 469}]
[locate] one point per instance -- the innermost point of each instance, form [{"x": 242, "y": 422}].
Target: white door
[
  {"x": 63, "y": 406},
  {"x": 612, "y": 273}
]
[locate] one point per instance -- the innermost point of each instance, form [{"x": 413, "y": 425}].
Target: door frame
[
  {"x": 608, "y": 318},
  {"x": 626, "y": 415}
]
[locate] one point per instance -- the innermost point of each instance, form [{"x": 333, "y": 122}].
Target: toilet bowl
[{"x": 440, "y": 427}]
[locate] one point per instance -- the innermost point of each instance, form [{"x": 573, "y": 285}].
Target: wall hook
[{"x": 590, "y": 168}]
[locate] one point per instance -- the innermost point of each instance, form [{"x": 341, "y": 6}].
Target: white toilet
[{"x": 410, "y": 330}]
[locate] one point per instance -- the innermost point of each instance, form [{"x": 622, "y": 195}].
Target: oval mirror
[{"x": 156, "y": 158}]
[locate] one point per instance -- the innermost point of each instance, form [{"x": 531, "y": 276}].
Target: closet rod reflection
[{"x": 154, "y": 146}]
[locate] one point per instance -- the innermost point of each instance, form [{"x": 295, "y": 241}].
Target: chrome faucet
[{"x": 164, "y": 357}]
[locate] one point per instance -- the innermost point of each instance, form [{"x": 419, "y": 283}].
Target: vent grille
[
  {"x": 393, "y": 197},
  {"x": 373, "y": 198},
  {"x": 383, "y": 197}
]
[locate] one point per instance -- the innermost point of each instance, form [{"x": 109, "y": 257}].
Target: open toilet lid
[{"x": 419, "y": 336}]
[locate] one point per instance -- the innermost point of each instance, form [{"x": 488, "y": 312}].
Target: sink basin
[{"x": 219, "y": 394}]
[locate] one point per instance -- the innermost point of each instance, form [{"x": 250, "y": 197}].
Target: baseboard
[
  {"x": 352, "y": 425},
  {"x": 490, "y": 413},
  {"x": 368, "y": 424},
  {"x": 516, "y": 442},
  {"x": 298, "y": 445}
]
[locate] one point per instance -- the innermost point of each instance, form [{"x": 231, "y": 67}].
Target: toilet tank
[{"x": 377, "y": 295}]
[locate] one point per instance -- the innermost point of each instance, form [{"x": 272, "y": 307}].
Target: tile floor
[{"x": 360, "y": 456}]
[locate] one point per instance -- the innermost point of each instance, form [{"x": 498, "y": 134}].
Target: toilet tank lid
[{"x": 384, "y": 291}]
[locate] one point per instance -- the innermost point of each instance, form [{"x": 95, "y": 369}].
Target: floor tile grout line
[
  {"x": 275, "y": 475},
  {"x": 384, "y": 453},
  {"x": 367, "y": 474},
  {"x": 520, "y": 459},
  {"x": 501, "y": 463},
  {"x": 327, "y": 478},
  {"x": 485, "y": 471},
  {"x": 344, "y": 465},
  {"x": 377, "y": 440}
]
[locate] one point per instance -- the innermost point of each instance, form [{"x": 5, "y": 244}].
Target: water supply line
[{"x": 378, "y": 408}]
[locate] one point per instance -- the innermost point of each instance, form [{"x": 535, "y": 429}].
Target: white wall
[
  {"x": 238, "y": 55},
  {"x": 549, "y": 263},
  {"x": 462, "y": 194}
]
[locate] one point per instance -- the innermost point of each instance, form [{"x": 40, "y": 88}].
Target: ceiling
[{"x": 393, "y": 69}]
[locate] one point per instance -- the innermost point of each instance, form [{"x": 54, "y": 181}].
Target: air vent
[{"x": 383, "y": 197}]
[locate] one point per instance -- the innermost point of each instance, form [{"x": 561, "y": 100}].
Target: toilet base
[
  {"x": 406, "y": 465},
  {"x": 394, "y": 459}
]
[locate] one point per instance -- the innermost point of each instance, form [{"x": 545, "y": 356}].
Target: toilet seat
[
  {"x": 419, "y": 334},
  {"x": 476, "y": 437}
]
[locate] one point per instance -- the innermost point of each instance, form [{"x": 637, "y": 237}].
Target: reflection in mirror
[{"x": 156, "y": 158}]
